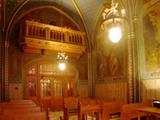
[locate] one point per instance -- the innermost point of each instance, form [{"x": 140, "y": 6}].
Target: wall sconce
[{"x": 113, "y": 22}]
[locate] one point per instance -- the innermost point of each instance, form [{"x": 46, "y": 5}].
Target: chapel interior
[{"x": 58, "y": 60}]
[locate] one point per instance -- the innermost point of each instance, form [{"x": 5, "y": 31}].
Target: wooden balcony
[{"x": 36, "y": 37}]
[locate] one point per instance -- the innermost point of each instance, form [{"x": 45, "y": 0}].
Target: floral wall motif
[
  {"x": 152, "y": 45},
  {"x": 11, "y": 5}
]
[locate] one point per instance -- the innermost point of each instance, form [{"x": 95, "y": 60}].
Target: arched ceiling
[{"x": 86, "y": 11}]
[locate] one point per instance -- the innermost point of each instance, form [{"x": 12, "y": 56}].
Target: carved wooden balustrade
[{"x": 48, "y": 37}]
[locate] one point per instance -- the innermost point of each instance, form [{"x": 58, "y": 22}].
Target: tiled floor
[{"x": 57, "y": 115}]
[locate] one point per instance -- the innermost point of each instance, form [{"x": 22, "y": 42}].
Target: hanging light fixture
[
  {"x": 113, "y": 22},
  {"x": 62, "y": 59}
]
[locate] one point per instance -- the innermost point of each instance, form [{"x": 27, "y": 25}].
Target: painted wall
[
  {"x": 111, "y": 67},
  {"x": 150, "y": 82}
]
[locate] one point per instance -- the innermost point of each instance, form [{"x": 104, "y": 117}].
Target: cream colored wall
[
  {"x": 150, "y": 89},
  {"x": 112, "y": 91}
]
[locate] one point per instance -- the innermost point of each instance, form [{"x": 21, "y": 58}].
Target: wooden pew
[
  {"x": 129, "y": 111},
  {"x": 26, "y": 116},
  {"x": 2, "y": 117},
  {"x": 22, "y": 101},
  {"x": 21, "y": 110},
  {"x": 88, "y": 108},
  {"x": 4, "y": 106},
  {"x": 110, "y": 108},
  {"x": 70, "y": 107}
]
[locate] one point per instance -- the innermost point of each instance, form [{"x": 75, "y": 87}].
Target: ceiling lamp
[
  {"x": 114, "y": 22},
  {"x": 62, "y": 59}
]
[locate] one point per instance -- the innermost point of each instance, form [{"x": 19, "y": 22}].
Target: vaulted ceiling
[{"x": 86, "y": 12}]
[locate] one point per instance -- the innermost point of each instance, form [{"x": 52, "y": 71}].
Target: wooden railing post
[
  {"x": 54, "y": 33},
  {"x": 27, "y": 29},
  {"x": 47, "y": 31}
]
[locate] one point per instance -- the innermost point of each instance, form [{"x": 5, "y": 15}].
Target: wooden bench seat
[
  {"x": 7, "y": 105},
  {"x": 26, "y": 116},
  {"x": 21, "y": 110},
  {"x": 22, "y": 101}
]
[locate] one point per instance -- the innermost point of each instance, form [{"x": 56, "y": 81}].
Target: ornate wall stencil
[
  {"x": 11, "y": 5},
  {"x": 152, "y": 44}
]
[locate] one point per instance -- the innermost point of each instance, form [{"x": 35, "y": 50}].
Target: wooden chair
[
  {"x": 88, "y": 108},
  {"x": 70, "y": 107},
  {"x": 110, "y": 108},
  {"x": 22, "y": 101},
  {"x": 56, "y": 108},
  {"x": 21, "y": 110},
  {"x": 26, "y": 116}
]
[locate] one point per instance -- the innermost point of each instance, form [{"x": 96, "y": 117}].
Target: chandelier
[
  {"x": 62, "y": 59},
  {"x": 113, "y": 21}
]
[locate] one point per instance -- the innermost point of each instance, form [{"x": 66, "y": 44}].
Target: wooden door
[{"x": 42, "y": 80}]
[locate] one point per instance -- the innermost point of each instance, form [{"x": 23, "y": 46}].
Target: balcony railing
[
  {"x": 35, "y": 37},
  {"x": 54, "y": 33}
]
